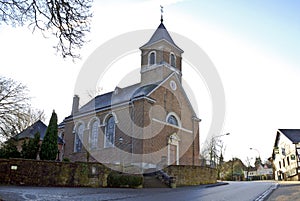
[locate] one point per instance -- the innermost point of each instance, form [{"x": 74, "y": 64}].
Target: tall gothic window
[
  {"x": 109, "y": 132},
  {"x": 78, "y": 138},
  {"x": 172, "y": 120},
  {"x": 172, "y": 60},
  {"x": 94, "y": 135},
  {"x": 152, "y": 58}
]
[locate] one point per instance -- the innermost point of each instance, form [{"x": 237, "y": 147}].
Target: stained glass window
[
  {"x": 110, "y": 132},
  {"x": 94, "y": 135},
  {"x": 78, "y": 138}
]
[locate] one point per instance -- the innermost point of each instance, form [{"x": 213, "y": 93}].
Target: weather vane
[{"x": 161, "y": 13}]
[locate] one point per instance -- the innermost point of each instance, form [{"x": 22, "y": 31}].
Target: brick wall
[{"x": 192, "y": 175}]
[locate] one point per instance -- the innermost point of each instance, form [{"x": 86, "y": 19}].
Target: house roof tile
[
  {"x": 30, "y": 131},
  {"x": 291, "y": 134},
  {"x": 118, "y": 96}
]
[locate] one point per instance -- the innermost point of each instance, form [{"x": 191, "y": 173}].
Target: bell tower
[{"x": 160, "y": 57}]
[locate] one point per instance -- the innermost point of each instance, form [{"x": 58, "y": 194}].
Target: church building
[{"x": 151, "y": 124}]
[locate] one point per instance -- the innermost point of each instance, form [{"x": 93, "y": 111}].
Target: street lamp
[
  {"x": 258, "y": 160},
  {"x": 213, "y": 148},
  {"x": 255, "y": 150},
  {"x": 220, "y": 135}
]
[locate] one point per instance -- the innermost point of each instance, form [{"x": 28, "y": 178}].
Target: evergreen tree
[
  {"x": 24, "y": 149},
  {"x": 34, "y": 146},
  {"x": 9, "y": 150},
  {"x": 49, "y": 148},
  {"x": 30, "y": 149}
]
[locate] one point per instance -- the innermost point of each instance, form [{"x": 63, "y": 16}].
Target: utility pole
[{"x": 232, "y": 169}]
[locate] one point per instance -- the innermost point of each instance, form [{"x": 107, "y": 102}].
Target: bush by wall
[{"x": 116, "y": 179}]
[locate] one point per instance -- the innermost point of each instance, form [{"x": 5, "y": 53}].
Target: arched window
[
  {"x": 78, "y": 138},
  {"x": 109, "y": 132},
  {"x": 172, "y": 120},
  {"x": 151, "y": 59},
  {"x": 172, "y": 60},
  {"x": 94, "y": 135}
]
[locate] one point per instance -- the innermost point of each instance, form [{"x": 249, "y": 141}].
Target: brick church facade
[{"x": 150, "y": 124}]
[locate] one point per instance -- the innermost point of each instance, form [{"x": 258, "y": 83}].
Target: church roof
[
  {"x": 30, "y": 131},
  {"x": 118, "y": 96},
  {"x": 161, "y": 33},
  {"x": 291, "y": 134}
]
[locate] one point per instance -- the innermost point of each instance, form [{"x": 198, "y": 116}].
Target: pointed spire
[{"x": 161, "y": 13}]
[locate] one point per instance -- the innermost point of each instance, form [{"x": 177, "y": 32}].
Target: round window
[{"x": 173, "y": 85}]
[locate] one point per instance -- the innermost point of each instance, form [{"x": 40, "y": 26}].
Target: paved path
[{"x": 235, "y": 191}]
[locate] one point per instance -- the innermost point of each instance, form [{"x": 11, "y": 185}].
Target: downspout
[{"x": 193, "y": 129}]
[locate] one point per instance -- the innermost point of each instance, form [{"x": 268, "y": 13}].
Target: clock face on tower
[{"x": 173, "y": 85}]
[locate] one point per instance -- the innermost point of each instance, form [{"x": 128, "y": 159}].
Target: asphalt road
[{"x": 234, "y": 191}]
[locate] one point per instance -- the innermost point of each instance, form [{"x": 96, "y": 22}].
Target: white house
[{"x": 286, "y": 154}]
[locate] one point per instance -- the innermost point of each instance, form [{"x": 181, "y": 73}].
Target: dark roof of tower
[
  {"x": 161, "y": 33},
  {"x": 291, "y": 134},
  {"x": 30, "y": 131}
]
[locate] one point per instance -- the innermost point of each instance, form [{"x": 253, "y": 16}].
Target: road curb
[
  {"x": 266, "y": 194},
  {"x": 216, "y": 184}
]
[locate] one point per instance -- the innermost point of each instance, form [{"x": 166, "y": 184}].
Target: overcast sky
[{"x": 254, "y": 46}]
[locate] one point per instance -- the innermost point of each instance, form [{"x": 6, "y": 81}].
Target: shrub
[
  {"x": 135, "y": 180},
  {"x": 115, "y": 179},
  {"x": 66, "y": 160}
]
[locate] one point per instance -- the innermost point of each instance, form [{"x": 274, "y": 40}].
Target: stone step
[{"x": 153, "y": 182}]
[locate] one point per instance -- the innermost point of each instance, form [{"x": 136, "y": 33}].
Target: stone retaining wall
[
  {"x": 192, "y": 175},
  {"x": 86, "y": 174},
  {"x": 49, "y": 173}
]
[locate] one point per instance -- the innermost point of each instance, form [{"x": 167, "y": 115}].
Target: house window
[
  {"x": 78, "y": 138},
  {"x": 279, "y": 165},
  {"x": 172, "y": 120},
  {"x": 109, "y": 132},
  {"x": 288, "y": 161},
  {"x": 283, "y": 151},
  {"x": 283, "y": 162},
  {"x": 172, "y": 60},
  {"x": 94, "y": 135},
  {"x": 151, "y": 58}
]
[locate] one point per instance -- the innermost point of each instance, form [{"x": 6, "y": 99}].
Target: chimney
[{"x": 75, "y": 106}]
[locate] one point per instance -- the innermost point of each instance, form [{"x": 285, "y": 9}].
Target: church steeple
[
  {"x": 160, "y": 56},
  {"x": 161, "y": 13}
]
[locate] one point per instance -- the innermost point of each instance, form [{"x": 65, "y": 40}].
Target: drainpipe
[{"x": 193, "y": 124}]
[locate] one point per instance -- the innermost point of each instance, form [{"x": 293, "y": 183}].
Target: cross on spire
[{"x": 161, "y": 13}]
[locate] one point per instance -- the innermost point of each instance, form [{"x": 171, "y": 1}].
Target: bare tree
[
  {"x": 213, "y": 150},
  {"x": 32, "y": 115},
  {"x": 15, "y": 111},
  {"x": 67, "y": 20},
  {"x": 94, "y": 93}
]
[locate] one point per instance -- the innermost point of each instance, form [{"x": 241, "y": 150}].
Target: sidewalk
[{"x": 286, "y": 191}]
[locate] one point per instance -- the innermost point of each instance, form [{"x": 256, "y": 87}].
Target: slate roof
[
  {"x": 161, "y": 33},
  {"x": 30, "y": 131},
  {"x": 291, "y": 134},
  {"x": 118, "y": 96}
]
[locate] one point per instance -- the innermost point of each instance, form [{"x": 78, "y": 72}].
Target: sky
[{"x": 254, "y": 46}]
